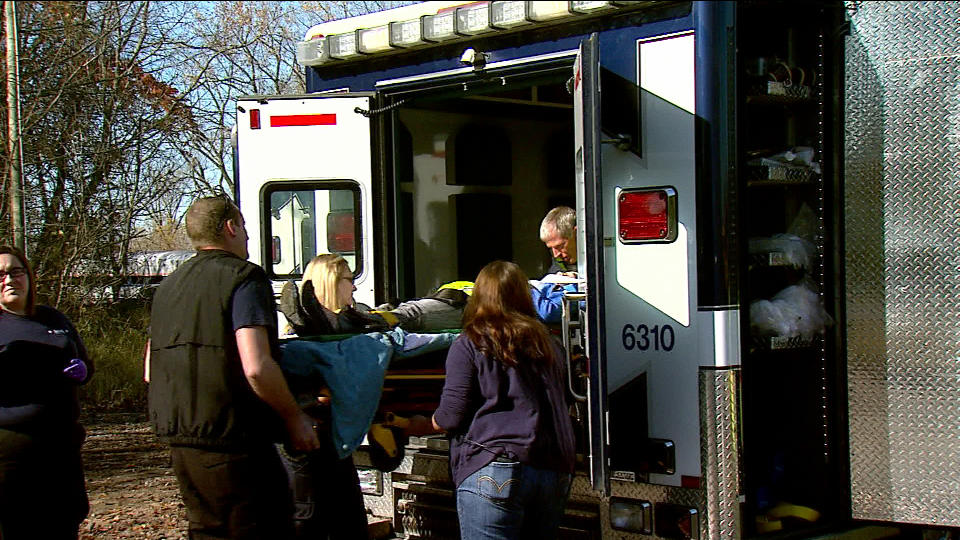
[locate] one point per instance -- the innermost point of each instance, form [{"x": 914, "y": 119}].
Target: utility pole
[{"x": 14, "y": 145}]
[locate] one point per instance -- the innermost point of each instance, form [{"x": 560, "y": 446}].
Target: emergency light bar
[
  {"x": 374, "y": 40},
  {"x": 343, "y": 46},
  {"x": 453, "y": 22},
  {"x": 473, "y": 20},
  {"x": 439, "y": 27},
  {"x": 505, "y": 15},
  {"x": 406, "y": 34}
]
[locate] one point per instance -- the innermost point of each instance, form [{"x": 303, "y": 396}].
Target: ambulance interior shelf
[
  {"x": 792, "y": 166},
  {"x": 791, "y": 481},
  {"x": 786, "y": 310}
]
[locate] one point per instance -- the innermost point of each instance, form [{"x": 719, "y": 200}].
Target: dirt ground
[
  {"x": 133, "y": 492},
  {"x": 132, "y": 489}
]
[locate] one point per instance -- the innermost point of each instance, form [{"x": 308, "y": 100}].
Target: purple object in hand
[{"x": 76, "y": 369}]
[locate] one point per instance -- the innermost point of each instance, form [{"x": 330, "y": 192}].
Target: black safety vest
[{"x": 198, "y": 394}]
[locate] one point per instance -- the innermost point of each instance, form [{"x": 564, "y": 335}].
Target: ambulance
[{"x": 766, "y": 339}]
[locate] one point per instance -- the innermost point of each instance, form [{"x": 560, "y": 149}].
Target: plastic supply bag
[
  {"x": 796, "y": 251},
  {"x": 796, "y": 311}
]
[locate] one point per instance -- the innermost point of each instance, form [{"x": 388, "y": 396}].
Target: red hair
[{"x": 500, "y": 318}]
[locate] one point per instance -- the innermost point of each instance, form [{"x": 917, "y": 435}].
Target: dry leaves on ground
[{"x": 132, "y": 489}]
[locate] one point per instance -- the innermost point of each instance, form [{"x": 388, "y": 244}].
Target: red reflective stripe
[{"x": 303, "y": 120}]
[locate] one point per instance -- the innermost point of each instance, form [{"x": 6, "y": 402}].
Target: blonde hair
[{"x": 324, "y": 272}]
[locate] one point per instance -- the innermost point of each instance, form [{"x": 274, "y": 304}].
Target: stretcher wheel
[{"x": 386, "y": 447}]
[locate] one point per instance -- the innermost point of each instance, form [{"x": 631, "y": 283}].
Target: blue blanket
[{"x": 353, "y": 369}]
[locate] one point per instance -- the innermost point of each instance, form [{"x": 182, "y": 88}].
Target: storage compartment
[{"x": 793, "y": 454}]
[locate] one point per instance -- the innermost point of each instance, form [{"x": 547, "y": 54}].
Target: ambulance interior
[{"x": 475, "y": 173}]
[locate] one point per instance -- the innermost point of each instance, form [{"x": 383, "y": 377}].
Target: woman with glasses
[
  {"x": 42, "y": 361},
  {"x": 324, "y": 302}
]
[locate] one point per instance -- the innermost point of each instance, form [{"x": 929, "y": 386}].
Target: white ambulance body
[{"x": 767, "y": 232}]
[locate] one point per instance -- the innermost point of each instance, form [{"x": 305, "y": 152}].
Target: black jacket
[
  {"x": 198, "y": 393},
  {"x": 309, "y": 317}
]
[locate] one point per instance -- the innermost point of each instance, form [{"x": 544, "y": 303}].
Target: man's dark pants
[{"x": 235, "y": 495}]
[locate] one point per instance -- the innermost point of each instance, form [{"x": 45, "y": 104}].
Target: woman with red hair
[{"x": 504, "y": 408}]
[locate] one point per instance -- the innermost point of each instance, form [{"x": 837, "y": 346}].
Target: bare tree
[
  {"x": 100, "y": 132},
  {"x": 127, "y": 112},
  {"x": 245, "y": 48}
]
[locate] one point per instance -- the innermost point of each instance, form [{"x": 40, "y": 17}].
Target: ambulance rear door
[
  {"x": 304, "y": 182},
  {"x": 636, "y": 222}
]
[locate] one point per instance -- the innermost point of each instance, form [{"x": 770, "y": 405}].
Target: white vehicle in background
[{"x": 767, "y": 228}]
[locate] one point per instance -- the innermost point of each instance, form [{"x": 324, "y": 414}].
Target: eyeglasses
[{"x": 15, "y": 273}]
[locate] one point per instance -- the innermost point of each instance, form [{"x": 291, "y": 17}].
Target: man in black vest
[{"x": 217, "y": 395}]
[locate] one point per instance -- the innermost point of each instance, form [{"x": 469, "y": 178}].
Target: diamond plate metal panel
[
  {"x": 720, "y": 451},
  {"x": 902, "y": 218},
  {"x": 717, "y": 499}
]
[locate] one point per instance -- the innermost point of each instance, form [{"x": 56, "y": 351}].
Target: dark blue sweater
[
  {"x": 35, "y": 395},
  {"x": 489, "y": 410}
]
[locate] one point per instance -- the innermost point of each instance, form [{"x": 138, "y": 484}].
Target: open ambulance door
[
  {"x": 900, "y": 264},
  {"x": 304, "y": 182},
  {"x": 586, "y": 112},
  {"x": 635, "y": 164}
]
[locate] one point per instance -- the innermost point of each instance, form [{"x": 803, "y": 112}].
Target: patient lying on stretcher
[{"x": 323, "y": 304}]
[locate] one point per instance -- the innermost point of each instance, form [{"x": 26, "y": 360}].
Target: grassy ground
[{"x": 115, "y": 336}]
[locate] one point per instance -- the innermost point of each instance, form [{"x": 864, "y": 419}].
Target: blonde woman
[
  {"x": 325, "y": 302},
  {"x": 326, "y": 489}
]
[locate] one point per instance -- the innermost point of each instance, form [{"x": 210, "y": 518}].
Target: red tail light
[
  {"x": 275, "y": 248},
  {"x": 647, "y": 215},
  {"x": 340, "y": 232}
]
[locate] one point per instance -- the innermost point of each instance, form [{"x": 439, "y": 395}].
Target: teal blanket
[{"x": 353, "y": 369}]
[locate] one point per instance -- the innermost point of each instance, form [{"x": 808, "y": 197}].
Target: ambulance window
[{"x": 305, "y": 219}]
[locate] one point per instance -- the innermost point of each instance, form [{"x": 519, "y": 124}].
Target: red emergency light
[
  {"x": 254, "y": 118},
  {"x": 286, "y": 120},
  {"x": 647, "y": 215}
]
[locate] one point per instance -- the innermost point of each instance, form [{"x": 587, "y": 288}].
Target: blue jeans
[{"x": 510, "y": 500}]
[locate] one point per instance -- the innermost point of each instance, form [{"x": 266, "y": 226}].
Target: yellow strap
[
  {"x": 465, "y": 286},
  {"x": 388, "y": 316},
  {"x": 783, "y": 510},
  {"x": 390, "y": 419},
  {"x": 383, "y": 437},
  {"x": 766, "y": 525}
]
